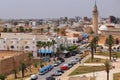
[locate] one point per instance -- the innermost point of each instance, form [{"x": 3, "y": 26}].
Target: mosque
[{"x": 105, "y": 30}]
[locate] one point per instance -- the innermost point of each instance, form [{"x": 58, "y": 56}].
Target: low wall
[{"x": 8, "y": 64}]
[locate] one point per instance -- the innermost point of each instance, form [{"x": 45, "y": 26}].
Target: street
[{"x": 67, "y": 60}]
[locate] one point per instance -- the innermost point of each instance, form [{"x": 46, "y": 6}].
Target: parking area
[{"x": 58, "y": 67}]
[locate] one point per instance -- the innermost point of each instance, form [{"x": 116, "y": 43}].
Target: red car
[{"x": 64, "y": 68}]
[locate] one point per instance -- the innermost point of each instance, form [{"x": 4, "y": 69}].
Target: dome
[{"x": 103, "y": 27}]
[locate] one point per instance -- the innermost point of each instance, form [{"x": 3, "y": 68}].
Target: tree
[
  {"x": 92, "y": 45},
  {"x": 2, "y": 77},
  {"x": 5, "y": 29},
  {"x": 17, "y": 29},
  {"x": 30, "y": 30},
  {"x": 10, "y": 30},
  {"x": 44, "y": 45},
  {"x": 23, "y": 68},
  {"x": 21, "y": 29},
  {"x": 95, "y": 40},
  {"x": 35, "y": 64},
  {"x": 55, "y": 30},
  {"x": 30, "y": 57},
  {"x": 48, "y": 28},
  {"x": 107, "y": 68},
  {"x": 39, "y": 45},
  {"x": 63, "y": 32},
  {"x": 15, "y": 73},
  {"x": 15, "y": 23},
  {"x": 110, "y": 43}
]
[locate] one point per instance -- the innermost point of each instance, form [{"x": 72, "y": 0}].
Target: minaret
[{"x": 95, "y": 19}]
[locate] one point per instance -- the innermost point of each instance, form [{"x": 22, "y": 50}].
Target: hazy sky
[{"x": 56, "y": 8}]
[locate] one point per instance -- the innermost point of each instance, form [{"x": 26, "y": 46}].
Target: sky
[{"x": 22, "y": 9}]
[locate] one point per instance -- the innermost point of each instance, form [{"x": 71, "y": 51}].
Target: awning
[{"x": 45, "y": 51}]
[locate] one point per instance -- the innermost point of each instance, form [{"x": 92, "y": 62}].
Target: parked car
[
  {"x": 73, "y": 62},
  {"x": 64, "y": 68},
  {"x": 57, "y": 73},
  {"x": 45, "y": 69},
  {"x": 77, "y": 59},
  {"x": 60, "y": 59},
  {"x": 60, "y": 71},
  {"x": 57, "y": 63},
  {"x": 50, "y": 78},
  {"x": 34, "y": 77}
]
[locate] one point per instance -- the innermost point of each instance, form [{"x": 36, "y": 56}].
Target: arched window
[
  {"x": 27, "y": 47},
  {"x": 12, "y": 47}
]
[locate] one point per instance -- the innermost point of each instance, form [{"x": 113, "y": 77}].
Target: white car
[
  {"x": 57, "y": 63},
  {"x": 34, "y": 77}
]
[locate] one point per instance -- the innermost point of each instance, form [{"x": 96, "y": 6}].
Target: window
[
  {"x": 27, "y": 47},
  {"x": 12, "y": 47}
]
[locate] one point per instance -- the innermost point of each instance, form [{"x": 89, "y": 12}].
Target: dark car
[
  {"x": 50, "y": 78},
  {"x": 60, "y": 71},
  {"x": 61, "y": 59},
  {"x": 72, "y": 53}
]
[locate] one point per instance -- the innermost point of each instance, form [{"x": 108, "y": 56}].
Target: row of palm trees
[
  {"x": 109, "y": 42},
  {"x": 48, "y": 44},
  {"x": 94, "y": 43},
  {"x": 24, "y": 65},
  {"x": 56, "y": 30}
]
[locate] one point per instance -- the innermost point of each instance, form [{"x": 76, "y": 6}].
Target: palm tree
[
  {"x": 2, "y": 77},
  {"x": 49, "y": 44},
  {"x": 107, "y": 68},
  {"x": 39, "y": 45},
  {"x": 30, "y": 57},
  {"x": 23, "y": 68},
  {"x": 110, "y": 43},
  {"x": 15, "y": 73},
  {"x": 92, "y": 45},
  {"x": 63, "y": 33},
  {"x": 55, "y": 30},
  {"x": 53, "y": 43},
  {"x": 44, "y": 45},
  {"x": 95, "y": 40},
  {"x": 48, "y": 28}
]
